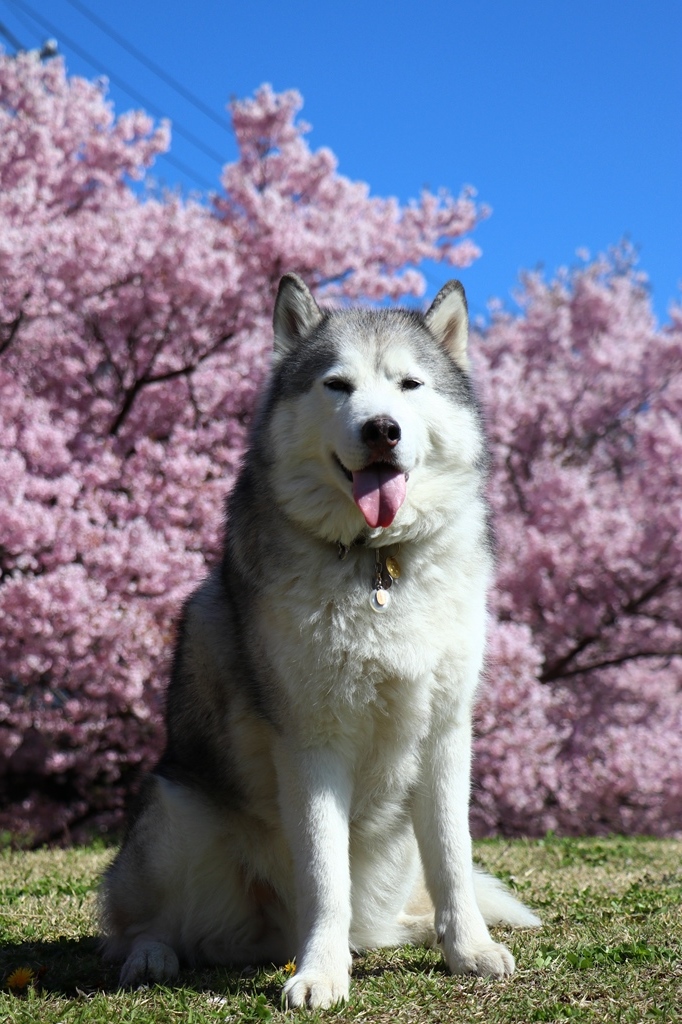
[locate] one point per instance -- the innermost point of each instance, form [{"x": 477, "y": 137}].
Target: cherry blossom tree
[
  {"x": 134, "y": 335},
  {"x": 584, "y": 712}
]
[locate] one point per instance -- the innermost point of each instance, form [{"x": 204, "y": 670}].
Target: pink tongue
[{"x": 379, "y": 491}]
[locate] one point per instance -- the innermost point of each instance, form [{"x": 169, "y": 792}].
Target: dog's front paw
[
  {"x": 149, "y": 961},
  {"x": 316, "y": 989},
  {"x": 486, "y": 959}
]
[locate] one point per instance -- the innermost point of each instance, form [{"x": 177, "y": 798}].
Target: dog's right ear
[{"x": 296, "y": 315}]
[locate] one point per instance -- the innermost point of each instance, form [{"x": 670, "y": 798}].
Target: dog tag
[
  {"x": 380, "y": 599},
  {"x": 393, "y": 567},
  {"x": 386, "y": 580}
]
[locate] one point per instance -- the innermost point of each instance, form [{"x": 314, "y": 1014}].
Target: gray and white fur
[{"x": 313, "y": 795}]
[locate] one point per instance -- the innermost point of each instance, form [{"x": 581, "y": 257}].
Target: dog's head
[{"x": 371, "y": 423}]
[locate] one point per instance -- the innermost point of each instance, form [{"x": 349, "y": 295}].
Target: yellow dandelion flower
[
  {"x": 290, "y": 967},
  {"x": 20, "y": 978}
]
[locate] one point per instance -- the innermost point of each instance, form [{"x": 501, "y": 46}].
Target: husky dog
[{"x": 313, "y": 795}]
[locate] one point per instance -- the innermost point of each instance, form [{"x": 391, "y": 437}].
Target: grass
[{"x": 610, "y": 949}]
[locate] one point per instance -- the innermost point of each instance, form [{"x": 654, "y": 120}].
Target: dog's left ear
[
  {"x": 296, "y": 315},
  {"x": 448, "y": 320}
]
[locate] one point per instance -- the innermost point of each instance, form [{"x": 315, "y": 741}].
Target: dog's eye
[
  {"x": 338, "y": 384},
  {"x": 410, "y": 384}
]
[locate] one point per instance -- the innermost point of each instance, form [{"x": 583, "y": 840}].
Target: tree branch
[
  {"x": 161, "y": 378},
  {"x": 561, "y": 668},
  {"x": 610, "y": 662},
  {"x": 12, "y": 328}
]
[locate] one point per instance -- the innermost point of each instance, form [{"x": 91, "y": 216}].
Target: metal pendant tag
[
  {"x": 386, "y": 580},
  {"x": 393, "y": 567},
  {"x": 380, "y": 599}
]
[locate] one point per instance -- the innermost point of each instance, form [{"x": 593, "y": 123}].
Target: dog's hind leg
[
  {"x": 417, "y": 920},
  {"x": 177, "y": 891},
  {"x": 140, "y": 889},
  {"x": 390, "y": 903},
  {"x": 148, "y": 960}
]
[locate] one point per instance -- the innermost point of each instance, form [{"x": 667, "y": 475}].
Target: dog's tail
[
  {"x": 497, "y": 904},
  {"x": 494, "y": 899}
]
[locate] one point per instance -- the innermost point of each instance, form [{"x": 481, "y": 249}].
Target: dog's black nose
[{"x": 381, "y": 433}]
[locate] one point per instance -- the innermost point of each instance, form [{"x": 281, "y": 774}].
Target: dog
[{"x": 312, "y": 798}]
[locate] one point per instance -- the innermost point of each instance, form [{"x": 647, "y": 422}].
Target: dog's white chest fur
[{"x": 375, "y": 678}]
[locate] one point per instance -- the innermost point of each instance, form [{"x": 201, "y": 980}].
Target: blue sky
[{"x": 565, "y": 115}]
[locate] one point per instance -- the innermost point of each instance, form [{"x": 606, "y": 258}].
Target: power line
[
  {"x": 98, "y": 65},
  {"x": 178, "y": 164},
  {"x": 150, "y": 64},
  {"x": 139, "y": 97},
  {"x": 189, "y": 171}
]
